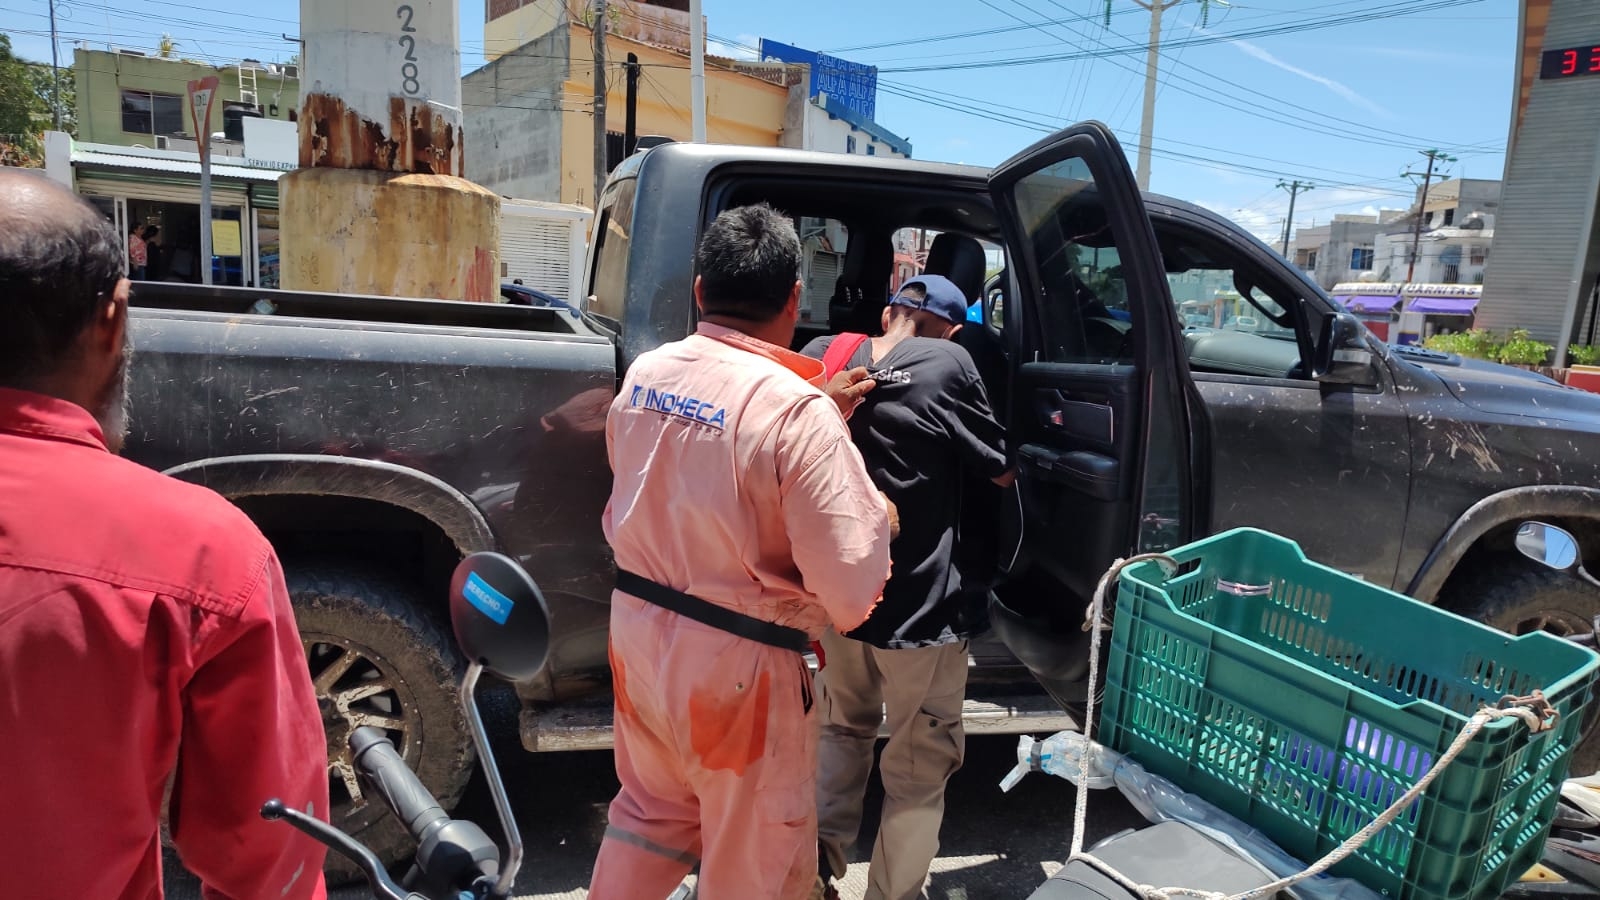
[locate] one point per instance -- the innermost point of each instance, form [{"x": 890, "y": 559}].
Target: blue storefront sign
[{"x": 848, "y": 84}]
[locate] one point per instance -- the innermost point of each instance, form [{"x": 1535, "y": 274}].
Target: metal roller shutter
[
  {"x": 819, "y": 286},
  {"x": 538, "y": 251},
  {"x": 145, "y": 187}
]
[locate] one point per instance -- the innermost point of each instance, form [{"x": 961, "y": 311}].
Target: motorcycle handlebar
[{"x": 387, "y": 773}]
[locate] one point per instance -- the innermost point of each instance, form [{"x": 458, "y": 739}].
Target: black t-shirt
[{"x": 926, "y": 421}]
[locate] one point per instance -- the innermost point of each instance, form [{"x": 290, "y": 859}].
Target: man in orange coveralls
[{"x": 744, "y": 523}]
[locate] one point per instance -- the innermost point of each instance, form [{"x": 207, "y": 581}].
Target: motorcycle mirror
[
  {"x": 499, "y": 616},
  {"x": 1549, "y": 545}
]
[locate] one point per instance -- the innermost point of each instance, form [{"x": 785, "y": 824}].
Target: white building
[
  {"x": 835, "y": 129},
  {"x": 1340, "y": 250},
  {"x": 1450, "y": 255}
]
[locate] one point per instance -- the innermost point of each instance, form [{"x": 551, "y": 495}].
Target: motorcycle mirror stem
[
  {"x": 334, "y": 839},
  {"x": 1553, "y": 547},
  {"x": 497, "y": 786}
]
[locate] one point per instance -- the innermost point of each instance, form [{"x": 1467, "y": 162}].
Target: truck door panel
[
  {"x": 1098, "y": 405},
  {"x": 1284, "y": 446}
]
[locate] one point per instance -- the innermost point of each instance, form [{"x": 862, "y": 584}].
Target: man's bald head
[{"x": 60, "y": 263}]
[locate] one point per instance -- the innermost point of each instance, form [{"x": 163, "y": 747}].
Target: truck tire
[
  {"x": 377, "y": 657},
  {"x": 1516, "y": 596}
]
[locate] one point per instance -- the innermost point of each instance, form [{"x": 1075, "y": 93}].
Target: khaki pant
[{"x": 920, "y": 692}]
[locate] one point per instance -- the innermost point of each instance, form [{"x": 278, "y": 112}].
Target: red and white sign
[{"x": 202, "y": 92}]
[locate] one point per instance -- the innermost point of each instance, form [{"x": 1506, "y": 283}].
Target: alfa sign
[{"x": 848, "y": 84}]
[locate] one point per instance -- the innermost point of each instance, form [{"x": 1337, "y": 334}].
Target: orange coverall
[{"x": 735, "y": 482}]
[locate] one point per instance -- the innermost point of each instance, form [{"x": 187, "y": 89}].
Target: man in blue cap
[{"x": 927, "y": 420}]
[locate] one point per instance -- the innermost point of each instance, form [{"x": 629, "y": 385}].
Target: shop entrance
[{"x": 174, "y": 242}]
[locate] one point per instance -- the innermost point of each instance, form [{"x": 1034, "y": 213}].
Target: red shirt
[{"x": 145, "y": 636}]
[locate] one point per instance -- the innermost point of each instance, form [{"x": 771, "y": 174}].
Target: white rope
[{"x": 1095, "y": 622}]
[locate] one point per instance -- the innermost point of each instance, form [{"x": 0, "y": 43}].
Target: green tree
[
  {"x": 45, "y": 86},
  {"x": 24, "y": 114}
]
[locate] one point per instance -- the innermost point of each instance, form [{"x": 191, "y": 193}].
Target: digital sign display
[{"x": 1570, "y": 63}]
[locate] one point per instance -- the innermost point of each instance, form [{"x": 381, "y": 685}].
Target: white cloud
[
  {"x": 1337, "y": 87},
  {"x": 1263, "y": 222},
  {"x": 1265, "y": 219}
]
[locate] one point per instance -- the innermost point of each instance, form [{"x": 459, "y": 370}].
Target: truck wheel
[
  {"x": 1518, "y": 597},
  {"x": 378, "y": 658}
]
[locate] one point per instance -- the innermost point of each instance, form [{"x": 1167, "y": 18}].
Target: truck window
[
  {"x": 1232, "y": 324},
  {"x": 608, "y": 281},
  {"x": 823, "y": 243},
  {"x": 1085, "y": 316}
]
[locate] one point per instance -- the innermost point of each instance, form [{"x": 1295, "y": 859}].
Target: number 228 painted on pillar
[{"x": 408, "y": 69}]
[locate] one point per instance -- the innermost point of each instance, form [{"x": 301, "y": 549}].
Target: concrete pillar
[{"x": 378, "y": 205}]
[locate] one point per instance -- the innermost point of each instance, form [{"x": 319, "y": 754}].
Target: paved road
[{"x": 996, "y": 846}]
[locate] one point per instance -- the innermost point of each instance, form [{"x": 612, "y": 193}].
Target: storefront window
[
  {"x": 173, "y": 244},
  {"x": 227, "y": 246},
  {"x": 267, "y": 247}
]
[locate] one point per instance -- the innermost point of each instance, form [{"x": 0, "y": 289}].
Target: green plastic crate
[{"x": 1304, "y": 701}]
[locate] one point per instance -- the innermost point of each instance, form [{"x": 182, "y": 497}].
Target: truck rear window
[{"x": 609, "y": 279}]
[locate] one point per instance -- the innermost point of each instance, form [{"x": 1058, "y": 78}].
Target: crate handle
[
  {"x": 1094, "y": 616},
  {"x": 1240, "y": 589}
]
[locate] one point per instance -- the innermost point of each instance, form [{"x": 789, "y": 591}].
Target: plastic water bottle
[{"x": 1061, "y": 754}]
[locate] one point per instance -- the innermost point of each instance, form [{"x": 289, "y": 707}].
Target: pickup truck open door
[{"x": 1100, "y": 401}]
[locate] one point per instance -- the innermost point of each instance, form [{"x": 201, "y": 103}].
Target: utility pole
[
  {"x": 1434, "y": 156},
  {"x": 1295, "y": 189},
  {"x": 697, "y": 72},
  {"x": 55, "y": 68},
  {"x": 630, "y": 128},
  {"x": 1147, "y": 122},
  {"x": 1152, "y": 57},
  {"x": 599, "y": 100}
]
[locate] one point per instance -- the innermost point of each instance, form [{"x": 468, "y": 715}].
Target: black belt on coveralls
[{"x": 707, "y": 613}]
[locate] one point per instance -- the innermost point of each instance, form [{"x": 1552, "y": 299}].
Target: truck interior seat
[
  {"x": 960, "y": 259},
  {"x": 863, "y": 286}
]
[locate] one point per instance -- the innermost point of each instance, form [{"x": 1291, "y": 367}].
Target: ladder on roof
[{"x": 247, "y": 84}]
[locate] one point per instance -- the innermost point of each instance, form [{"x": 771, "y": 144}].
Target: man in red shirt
[{"x": 145, "y": 633}]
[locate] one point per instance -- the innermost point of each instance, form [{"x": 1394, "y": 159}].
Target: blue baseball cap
[{"x": 943, "y": 299}]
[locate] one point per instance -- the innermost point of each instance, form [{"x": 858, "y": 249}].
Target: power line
[
  {"x": 954, "y": 36},
  {"x": 1389, "y": 12},
  {"x": 1017, "y": 121},
  {"x": 976, "y": 106},
  {"x": 1366, "y": 134}
]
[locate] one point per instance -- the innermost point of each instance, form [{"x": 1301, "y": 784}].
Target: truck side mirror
[{"x": 1341, "y": 355}]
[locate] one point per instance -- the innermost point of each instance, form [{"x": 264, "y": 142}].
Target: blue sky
[{"x": 1346, "y": 105}]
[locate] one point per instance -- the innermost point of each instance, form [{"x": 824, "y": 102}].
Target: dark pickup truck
[{"x": 378, "y": 440}]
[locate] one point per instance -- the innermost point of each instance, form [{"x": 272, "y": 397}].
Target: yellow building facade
[{"x": 529, "y": 112}]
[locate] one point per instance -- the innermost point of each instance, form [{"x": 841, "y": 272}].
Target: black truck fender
[
  {"x": 1554, "y": 501},
  {"x": 264, "y": 474}
]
